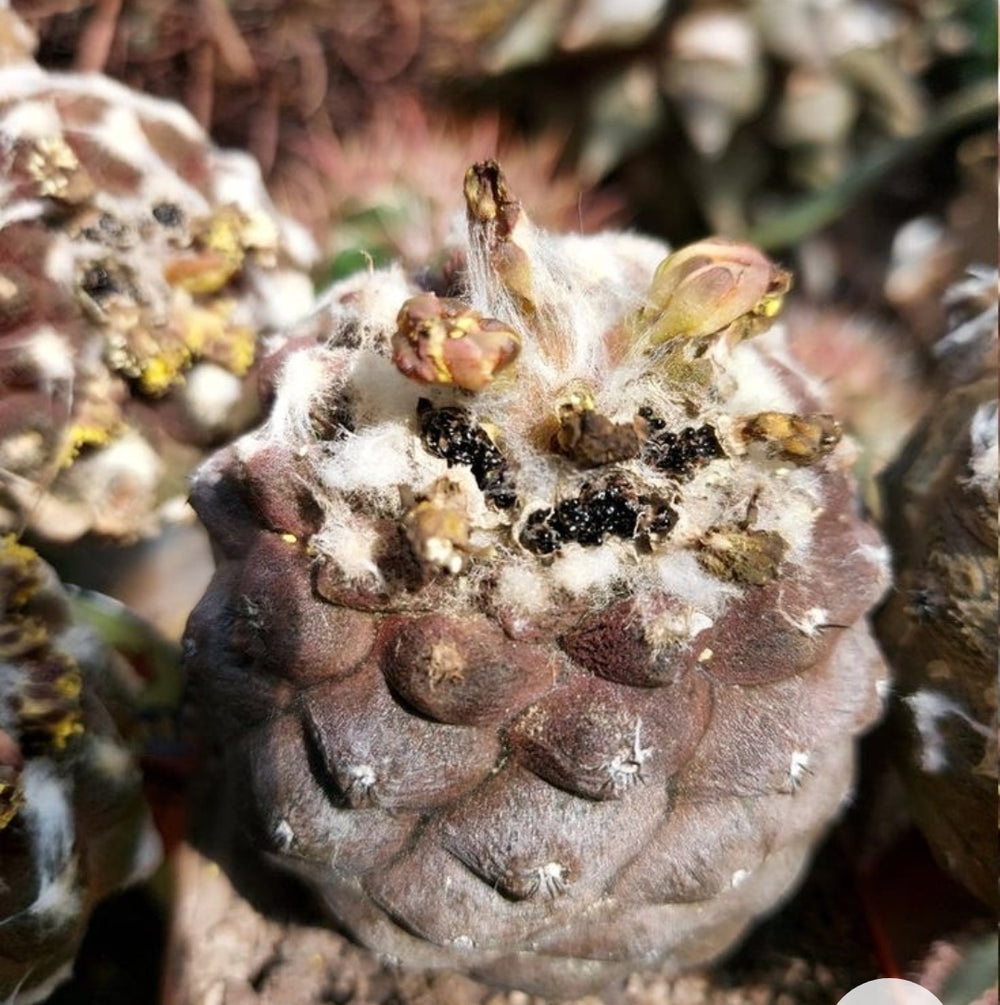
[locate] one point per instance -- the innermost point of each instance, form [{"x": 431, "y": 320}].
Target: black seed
[
  {"x": 653, "y": 421},
  {"x": 679, "y": 454},
  {"x": 538, "y": 535},
  {"x": 614, "y": 511},
  {"x": 587, "y": 519},
  {"x": 107, "y": 230},
  {"x": 572, "y": 521},
  {"x": 657, "y": 520},
  {"x": 97, "y": 282},
  {"x": 452, "y": 434},
  {"x": 168, "y": 214}
]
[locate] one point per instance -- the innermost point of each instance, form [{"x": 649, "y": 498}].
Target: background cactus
[
  {"x": 939, "y": 626},
  {"x": 140, "y": 266},
  {"x": 73, "y": 824}
]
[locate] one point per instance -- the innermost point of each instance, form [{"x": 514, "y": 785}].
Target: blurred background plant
[{"x": 853, "y": 137}]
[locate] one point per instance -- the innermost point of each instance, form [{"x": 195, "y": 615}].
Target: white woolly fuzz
[
  {"x": 30, "y": 119},
  {"x": 367, "y": 304},
  {"x": 984, "y": 461},
  {"x": 790, "y": 504},
  {"x": 679, "y": 574},
  {"x": 48, "y": 816},
  {"x": 381, "y": 391},
  {"x": 880, "y": 558},
  {"x": 284, "y": 296},
  {"x": 579, "y": 570},
  {"x": 522, "y": 587},
  {"x": 16, "y": 212},
  {"x": 928, "y": 708},
  {"x": 52, "y": 354},
  {"x": 669, "y": 627},
  {"x": 377, "y": 461},
  {"x": 758, "y": 386},
  {"x": 211, "y": 395},
  {"x": 147, "y": 856},
  {"x": 305, "y": 378},
  {"x": 129, "y": 458},
  {"x": 349, "y": 543}
]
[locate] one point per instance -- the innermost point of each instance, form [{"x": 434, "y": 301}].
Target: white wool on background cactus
[
  {"x": 536, "y": 643},
  {"x": 139, "y": 268},
  {"x": 939, "y": 627},
  {"x": 73, "y": 823}
]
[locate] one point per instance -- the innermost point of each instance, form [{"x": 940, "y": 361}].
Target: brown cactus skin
[
  {"x": 939, "y": 629},
  {"x": 544, "y": 790}
]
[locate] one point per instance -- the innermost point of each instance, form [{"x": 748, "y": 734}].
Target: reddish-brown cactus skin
[
  {"x": 544, "y": 789},
  {"x": 587, "y": 771}
]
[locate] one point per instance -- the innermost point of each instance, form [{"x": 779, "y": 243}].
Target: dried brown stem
[
  {"x": 230, "y": 44},
  {"x": 200, "y": 91},
  {"x": 97, "y": 38}
]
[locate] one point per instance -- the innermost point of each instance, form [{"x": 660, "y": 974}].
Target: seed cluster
[
  {"x": 678, "y": 454},
  {"x": 587, "y": 518},
  {"x": 168, "y": 214},
  {"x": 452, "y": 434},
  {"x": 98, "y": 282}
]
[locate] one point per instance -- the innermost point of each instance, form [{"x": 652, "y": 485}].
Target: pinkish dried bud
[{"x": 440, "y": 340}]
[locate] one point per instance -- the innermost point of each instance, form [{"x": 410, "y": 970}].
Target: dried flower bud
[
  {"x": 437, "y": 527},
  {"x": 591, "y": 439},
  {"x": 52, "y": 164},
  {"x": 444, "y": 341},
  {"x": 714, "y": 287},
  {"x": 494, "y": 216},
  {"x": 743, "y": 556},
  {"x": 800, "y": 439}
]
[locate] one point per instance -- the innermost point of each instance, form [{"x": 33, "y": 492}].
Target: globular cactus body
[{"x": 536, "y": 643}]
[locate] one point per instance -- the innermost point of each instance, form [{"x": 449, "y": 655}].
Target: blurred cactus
[
  {"x": 139, "y": 265},
  {"x": 73, "y": 825},
  {"x": 739, "y": 104},
  {"x": 939, "y": 627},
  {"x": 736, "y": 105}
]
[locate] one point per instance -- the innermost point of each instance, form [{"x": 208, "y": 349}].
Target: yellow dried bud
[
  {"x": 11, "y": 801},
  {"x": 54, "y": 167},
  {"x": 437, "y": 527},
  {"x": 800, "y": 439},
  {"x": 444, "y": 341},
  {"x": 713, "y": 287},
  {"x": 203, "y": 273},
  {"x": 740, "y": 555}
]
